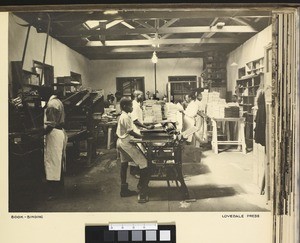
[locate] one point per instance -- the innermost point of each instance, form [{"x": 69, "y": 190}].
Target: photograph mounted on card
[{"x": 149, "y": 110}]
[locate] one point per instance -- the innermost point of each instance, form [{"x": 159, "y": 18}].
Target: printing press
[
  {"x": 79, "y": 122},
  {"x": 162, "y": 147}
]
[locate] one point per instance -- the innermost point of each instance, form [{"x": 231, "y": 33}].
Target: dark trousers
[{"x": 56, "y": 187}]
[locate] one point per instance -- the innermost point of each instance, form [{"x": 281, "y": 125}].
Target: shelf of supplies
[{"x": 67, "y": 84}]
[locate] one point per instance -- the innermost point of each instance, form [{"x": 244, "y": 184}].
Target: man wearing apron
[
  {"x": 128, "y": 152},
  {"x": 137, "y": 118},
  {"x": 55, "y": 146}
]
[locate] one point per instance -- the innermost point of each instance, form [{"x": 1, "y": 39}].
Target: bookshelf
[{"x": 214, "y": 74}]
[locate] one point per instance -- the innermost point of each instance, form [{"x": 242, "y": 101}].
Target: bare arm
[
  {"x": 202, "y": 114},
  {"x": 134, "y": 134},
  {"x": 139, "y": 124}
]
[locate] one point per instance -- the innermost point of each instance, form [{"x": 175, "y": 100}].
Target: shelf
[
  {"x": 245, "y": 104},
  {"x": 67, "y": 84},
  {"x": 254, "y": 69},
  {"x": 247, "y": 77}
]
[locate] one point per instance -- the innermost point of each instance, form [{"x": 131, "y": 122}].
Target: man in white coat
[{"x": 55, "y": 146}]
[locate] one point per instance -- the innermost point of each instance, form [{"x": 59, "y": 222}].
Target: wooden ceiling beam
[
  {"x": 132, "y": 27},
  {"x": 170, "y": 49},
  {"x": 163, "y": 42},
  {"x": 166, "y": 14},
  {"x": 169, "y": 30}
]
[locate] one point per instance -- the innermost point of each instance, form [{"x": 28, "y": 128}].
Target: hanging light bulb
[{"x": 154, "y": 58}]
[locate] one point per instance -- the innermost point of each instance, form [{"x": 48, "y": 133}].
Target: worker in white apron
[{"x": 55, "y": 146}]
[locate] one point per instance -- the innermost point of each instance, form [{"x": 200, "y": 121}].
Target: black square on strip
[
  {"x": 123, "y": 235},
  {"x": 109, "y": 236}
]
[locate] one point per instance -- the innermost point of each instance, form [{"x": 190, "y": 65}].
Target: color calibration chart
[{"x": 131, "y": 232}]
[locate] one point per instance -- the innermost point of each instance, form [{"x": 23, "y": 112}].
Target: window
[
  {"x": 48, "y": 74},
  {"x": 126, "y": 86},
  {"x": 179, "y": 86}
]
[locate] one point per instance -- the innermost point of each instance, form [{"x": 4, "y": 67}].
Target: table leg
[
  {"x": 109, "y": 137},
  {"x": 227, "y": 130},
  {"x": 183, "y": 186},
  {"x": 242, "y": 136},
  {"x": 214, "y": 141}
]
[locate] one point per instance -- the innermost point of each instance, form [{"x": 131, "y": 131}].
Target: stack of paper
[
  {"x": 213, "y": 97},
  {"x": 217, "y": 108},
  {"x": 157, "y": 112},
  {"x": 152, "y": 111},
  {"x": 148, "y": 115},
  {"x": 171, "y": 111}
]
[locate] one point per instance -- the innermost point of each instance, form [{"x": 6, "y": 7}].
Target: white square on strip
[{"x": 165, "y": 235}]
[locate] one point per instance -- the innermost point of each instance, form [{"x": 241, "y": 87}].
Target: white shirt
[
  {"x": 192, "y": 109},
  {"x": 125, "y": 125},
  {"x": 136, "y": 114},
  {"x": 201, "y": 106},
  {"x": 54, "y": 102}
]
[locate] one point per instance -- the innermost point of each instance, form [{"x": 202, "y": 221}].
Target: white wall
[
  {"x": 252, "y": 49},
  {"x": 104, "y": 72},
  {"x": 58, "y": 55}
]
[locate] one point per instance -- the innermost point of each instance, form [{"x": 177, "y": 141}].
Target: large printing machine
[
  {"x": 26, "y": 140},
  {"x": 162, "y": 147}
]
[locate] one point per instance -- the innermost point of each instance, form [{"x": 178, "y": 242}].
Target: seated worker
[{"x": 129, "y": 152}]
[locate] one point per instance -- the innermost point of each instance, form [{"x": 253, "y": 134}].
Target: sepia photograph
[
  {"x": 148, "y": 109},
  {"x": 140, "y": 110}
]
